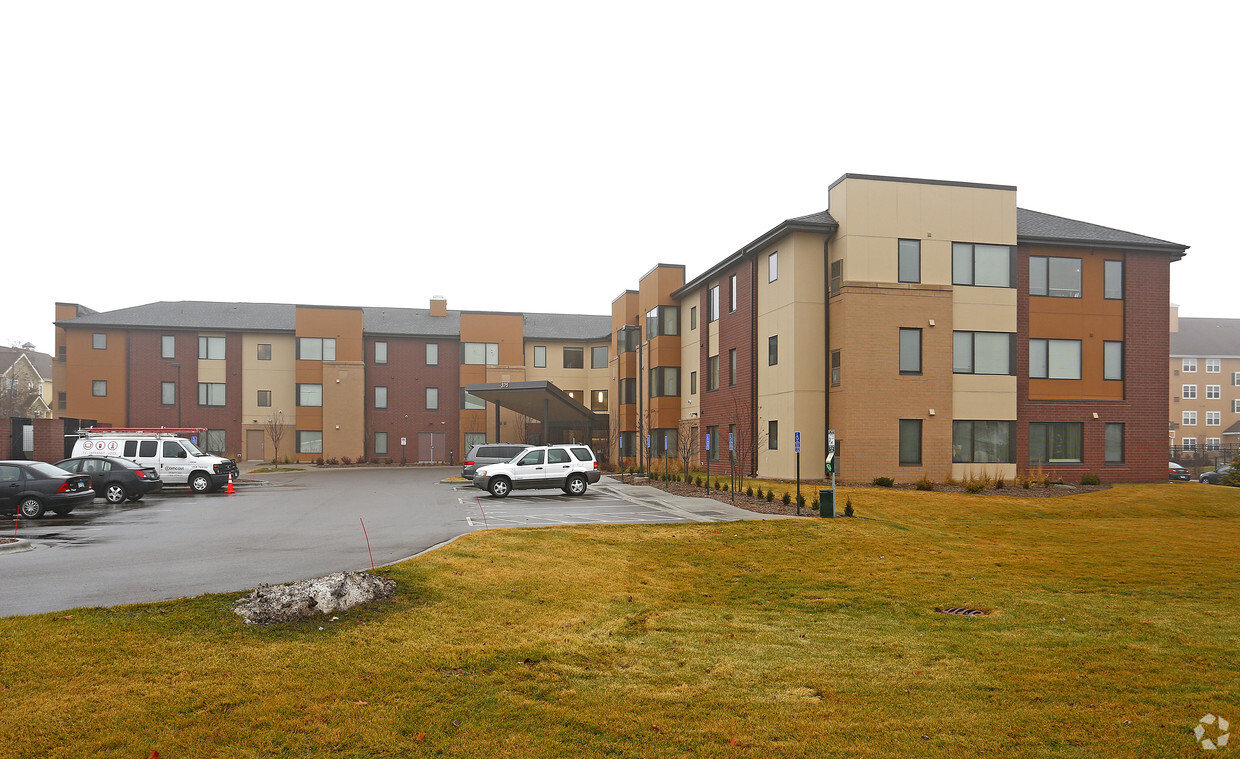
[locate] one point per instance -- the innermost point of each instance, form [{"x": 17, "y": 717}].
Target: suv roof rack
[{"x": 143, "y": 431}]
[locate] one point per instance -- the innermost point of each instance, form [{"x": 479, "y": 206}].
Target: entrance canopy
[{"x": 541, "y": 400}]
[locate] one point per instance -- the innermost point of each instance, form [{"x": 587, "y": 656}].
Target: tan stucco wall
[
  {"x": 279, "y": 375},
  {"x": 585, "y": 379},
  {"x": 344, "y": 413},
  {"x": 690, "y": 352}
]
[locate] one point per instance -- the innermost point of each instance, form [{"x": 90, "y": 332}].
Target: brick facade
[
  {"x": 406, "y": 376},
  {"x": 732, "y": 403}
]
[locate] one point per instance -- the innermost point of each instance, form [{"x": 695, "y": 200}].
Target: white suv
[{"x": 568, "y": 467}]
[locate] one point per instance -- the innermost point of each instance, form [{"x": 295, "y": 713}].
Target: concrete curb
[{"x": 19, "y": 546}]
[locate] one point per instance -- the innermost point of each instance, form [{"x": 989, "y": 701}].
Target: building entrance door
[
  {"x": 432, "y": 446},
  {"x": 255, "y": 445}
]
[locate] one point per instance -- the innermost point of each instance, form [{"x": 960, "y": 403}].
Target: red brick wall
[
  {"x": 1143, "y": 410},
  {"x": 6, "y": 437},
  {"x": 148, "y": 370},
  {"x": 49, "y": 440},
  {"x": 731, "y": 405},
  {"x": 406, "y": 377}
]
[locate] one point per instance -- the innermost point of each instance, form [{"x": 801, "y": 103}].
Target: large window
[
  {"x": 1113, "y": 280},
  {"x": 1055, "y": 359},
  {"x": 309, "y": 441},
  {"x": 309, "y": 394},
  {"x": 712, "y": 443},
  {"x": 772, "y": 267},
  {"x": 1112, "y": 360},
  {"x": 988, "y": 442},
  {"x": 910, "y": 351},
  {"x": 471, "y": 402},
  {"x": 316, "y": 348},
  {"x": 628, "y": 444},
  {"x": 211, "y": 394},
  {"x": 574, "y": 358},
  {"x": 481, "y": 354},
  {"x": 168, "y": 346},
  {"x": 982, "y": 265},
  {"x": 1114, "y": 453},
  {"x": 432, "y": 354},
  {"x": 598, "y": 357},
  {"x": 381, "y": 352},
  {"x": 380, "y": 396},
  {"x": 663, "y": 443},
  {"x": 983, "y": 353},
  {"x": 211, "y": 348},
  {"x": 432, "y": 399},
  {"x": 1056, "y": 277},
  {"x": 168, "y": 393},
  {"x": 628, "y": 391},
  {"x": 910, "y": 442},
  {"x": 909, "y": 261},
  {"x": 627, "y": 339},
  {"x": 217, "y": 442},
  {"x": 712, "y": 373},
  {"x": 540, "y": 357},
  {"x": 663, "y": 320},
  {"x": 664, "y": 382},
  {"x": 1055, "y": 442},
  {"x": 381, "y": 448},
  {"x": 712, "y": 304}
]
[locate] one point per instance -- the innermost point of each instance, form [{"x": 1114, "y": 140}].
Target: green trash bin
[{"x": 826, "y": 504}]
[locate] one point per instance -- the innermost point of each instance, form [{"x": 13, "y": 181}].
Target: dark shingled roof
[
  {"x": 1216, "y": 338},
  {"x": 410, "y": 321},
  {"x": 41, "y": 361},
  {"x": 574, "y": 327},
  {"x": 1032, "y": 227}
]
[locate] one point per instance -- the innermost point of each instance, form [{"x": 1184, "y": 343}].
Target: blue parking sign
[{"x": 797, "y": 441}]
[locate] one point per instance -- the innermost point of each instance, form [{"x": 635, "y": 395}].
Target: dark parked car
[
  {"x": 1212, "y": 478},
  {"x": 489, "y": 453},
  {"x": 115, "y": 479},
  {"x": 1177, "y": 472},
  {"x": 32, "y": 487}
]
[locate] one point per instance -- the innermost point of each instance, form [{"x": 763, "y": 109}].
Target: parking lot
[{"x": 286, "y": 527}]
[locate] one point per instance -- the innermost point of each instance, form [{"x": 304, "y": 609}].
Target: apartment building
[
  {"x": 1204, "y": 385},
  {"x": 935, "y": 327},
  {"x": 382, "y": 384}
]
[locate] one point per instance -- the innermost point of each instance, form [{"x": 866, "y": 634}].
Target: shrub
[
  {"x": 814, "y": 504},
  {"x": 1090, "y": 479},
  {"x": 883, "y": 482},
  {"x": 800, "y": 499},
  {"x": 848, "y": 509},
  {"x": 999, "y": 484},
  {"x": 770, "y": 495},
  {"x": 333, "y": 461},
  {"x": 749, "y": 491},
  {"x": 319, "y": 461},
  {"x": 716, "y": 485},
  {"x": 925, "y": 483},
  {"x": 346, "y": 460},
  {"x": 698, "y": 480},
  {"x": 972, "y": 486},
  {"x": 785, "y": 499}
]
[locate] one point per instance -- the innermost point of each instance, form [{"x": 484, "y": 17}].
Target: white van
[{"x": 178, "y": 461}]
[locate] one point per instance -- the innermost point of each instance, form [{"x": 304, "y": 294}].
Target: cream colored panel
[
  {"x": 279, "y": 375},
  {"x": 983, "y": 396},
  {"x": 984, "y": 309},
  {"x": 585, "y": 379}
]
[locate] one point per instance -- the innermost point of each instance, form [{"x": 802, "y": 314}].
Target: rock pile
[{"x": 274, "y": 604}]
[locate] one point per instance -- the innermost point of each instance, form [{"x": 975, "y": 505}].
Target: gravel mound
[{"x": 273, "y": 604}]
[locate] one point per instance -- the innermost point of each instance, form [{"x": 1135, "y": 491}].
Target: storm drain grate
[{"x": 961, "y": 612}]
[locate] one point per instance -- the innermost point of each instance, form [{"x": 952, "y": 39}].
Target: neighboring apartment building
[
  {"x": 934, "y": 326},
  {"x": 384, "y": 384},
  {"x": 1204, "y": 379},
  {"x": 25, "y": 383}
]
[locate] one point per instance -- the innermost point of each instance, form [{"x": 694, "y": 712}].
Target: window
[
  {"x": 1235, "y": 379},
  {"x": 168, "y": 393},
  {"x": 1188, "y": 392},
  {"x": 381, "y": 347},
  {"x": 712, "y": 304},
  {"x": 663, "y": 320},
  {"x": 910, "y": 442},
  {"x": 982, "y": 265},
  {"x": 99, "y": 341},
  {"x": 628, "y": 444},
  {"x": 989, "y": 442},
  {"x": 910, "y": 351},
  {"x": 1214, "y": 444},
  {"x": 772, "y": 350},
  {"x": 731, "y": 367},
  {"x": 1188, "y": 418},
  {"x": 1188, "y": 365},
  {"x": 432, "y": 399},
  {"x": 264, "y": 351},
  {"x": 1055, "y": 442},
  {"x": 574, "y": 358},
  {"x": 1189, "y": 444},
  {"x": 693, "y": 317},
  {"x": 309, "y": 394},
  {"x": 1112, "y": 360},
  {"x": 665, "y": 382},
  {"x": 316, "y": 348},
  {"x": 1214, "y": 418},
  {"x": 628, "y": 391},
  {"x": 692, "y": 383},
  {"x": 598, "y": 357},
  {"x": 712, "y": 443},
  {"x": 732, "y": 286},
  {"x": 479, "y": 354},
  {"x": 211, "y": 394},
  {"x": 1055, "y": 359},
  {"x": 1235, "y": 406},
  {"x": 264, "y": 398},
  {"x": 1214, "y": 365},
  {"x": 432, "y": 354},
  {"x": 381, "y": 444},
  {"x": 1114, "y": 443},
  {"x": 598, "y": 400},
  {"x": 99, "y": 388},
  {"x": 168, "y": 346},
  {"x": 712, "y": 373},
  {"x": 663, "y": 443},
  {"x": 1113, "y": 280},
  {"x": 380, "y": 396},
  {"x": 471, "y": 401},
  {"x": 211, "y": 348},
  {"x": 909, "y": 263},
  {"x": 983, "y": 353},
  {"x": 216, "y": 442},
  {"x": 835, "y": 368},
  {"x": 837, "y": 276},
  {"x": 309, "y": 441},
  {"x": 772, "y": 266},
  {"x": 627, "y": 339},
  {"x": 1056, "y": 277},
  {"x": 62, "y": 401},
  {"x": 772, "y": 436},
  {"x": 1214, "y": 392},
  {"x": 540, "y": 357}
]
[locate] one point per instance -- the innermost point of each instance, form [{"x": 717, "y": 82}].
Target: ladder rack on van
[{"x": 140, "y": 431}]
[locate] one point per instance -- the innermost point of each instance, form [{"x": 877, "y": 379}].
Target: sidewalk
[{"x": 698, "y": 509}]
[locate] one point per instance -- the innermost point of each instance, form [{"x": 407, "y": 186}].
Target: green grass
[{"x": 1112, "y": 629}]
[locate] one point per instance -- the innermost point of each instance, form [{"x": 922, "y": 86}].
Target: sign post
[
  {"x": 797, "y": 440},
  {"x": 732, "y": 464},
  {"x": 830, "y": 470},
  {"x": 707, "y": 462},
  {"x": 665, "y": 457}
]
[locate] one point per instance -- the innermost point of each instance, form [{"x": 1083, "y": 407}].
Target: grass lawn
[{"x": 1112, "y": 628}]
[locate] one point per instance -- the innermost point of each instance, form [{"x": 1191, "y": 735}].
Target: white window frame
[
  {"x": 1214, "y": 365},
  {"x": 1188, "y": 444},
  {"x": 1214, "y": 418},
  {"x": 1214, "y": 392},
  {"x": 540, "y": 357},
  {"x": 1214, "y": 444},
  {"x": 1188, "y": 365},
  {"x": 1188, "y": 392},
  {"x": 772, "y": 266},
  {"x": 1188, "y": 418}
]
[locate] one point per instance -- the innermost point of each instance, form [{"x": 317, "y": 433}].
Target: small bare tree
[
  {"x": 688, "y": 442},
  {"x": 275, "y": 430}
]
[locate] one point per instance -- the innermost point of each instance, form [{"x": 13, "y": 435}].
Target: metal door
[{"x": 255, "y": 445}]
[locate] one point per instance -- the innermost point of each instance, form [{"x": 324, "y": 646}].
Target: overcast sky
[{"x": 543, "y": 156}]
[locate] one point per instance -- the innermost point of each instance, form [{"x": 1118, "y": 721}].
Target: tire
[
  {"x": 199, "y": 483},
  {"x": 31, "y": 508},
  {"x": 500, "y": 487},
  {"x": 576, "y": 485},
  {"x": 115, "y": 493}
]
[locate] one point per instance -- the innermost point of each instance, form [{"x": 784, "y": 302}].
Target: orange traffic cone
[{"x": 230, "y": 490}]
